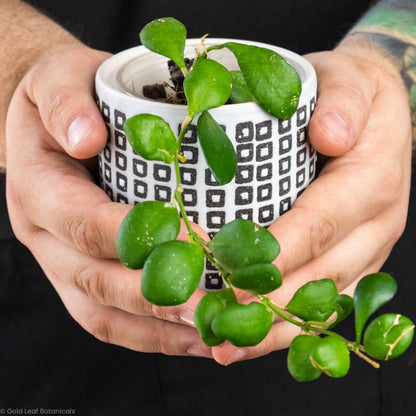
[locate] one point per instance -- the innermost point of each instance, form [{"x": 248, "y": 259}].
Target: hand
[
  {"x": 68, "y": 222},
  {"x": 346, "y": 222}
]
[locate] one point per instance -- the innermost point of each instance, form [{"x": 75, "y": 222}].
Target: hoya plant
[{"x": 243, "y": 252}]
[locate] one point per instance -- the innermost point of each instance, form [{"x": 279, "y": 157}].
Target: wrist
[
  {"x": 22, "y": 45},
  {"x": 360, "y": 45},
  {"x": 393, "y": 68}
]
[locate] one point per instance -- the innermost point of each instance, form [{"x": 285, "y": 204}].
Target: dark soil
[{"x": 169, "y": 92}]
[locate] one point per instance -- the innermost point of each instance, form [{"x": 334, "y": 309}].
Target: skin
[
  {"x": 389, "y": 27},
  {"x": 343, "y": 226}
]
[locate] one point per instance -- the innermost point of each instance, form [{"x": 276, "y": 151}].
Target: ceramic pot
[{"x": 275, "y": 161}]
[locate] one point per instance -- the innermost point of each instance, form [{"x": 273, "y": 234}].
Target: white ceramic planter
[{"x": 275, "y": 161}]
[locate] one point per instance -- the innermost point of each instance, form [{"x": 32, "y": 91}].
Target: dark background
[
  {"x": 47, "y": 360},
  {"x": 302, "y": 26}
]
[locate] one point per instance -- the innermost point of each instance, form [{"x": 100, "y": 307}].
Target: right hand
[{"x": 68, "y": 223}]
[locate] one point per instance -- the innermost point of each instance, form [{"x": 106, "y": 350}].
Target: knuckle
[
  {"x": 156, "y": 311},
  {"x": 90, "y": 282},
  {"x": 56, "y": 106},
  {"x": 158, "y": 341},
  {"x": 160, "y": 312},
  {"x": 399, "y": 230},
  {"x": 149, "y": 309},
  {"x": 99, "y": 326},
  {"x": 86, "y": 235},
  {"x": 166, "y": 313},
  {"x": 22, "y": 233},
  {"x": 322, "y": 229},
  {"x": 392, "y": 182},
  {"x": 22, "y": 229},
  {"x": 353, "y": 96},
  {"x": 145, "y": 307}
]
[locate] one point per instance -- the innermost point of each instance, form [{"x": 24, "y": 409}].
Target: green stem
[
  {"x": 328, "y": 332},
  {"x": 193, "y": 236},
  {"x": 278, "y": 310},
  {"x": 184, "y": 129},
  {"x": 204, "y": 54},
  {"x": 323, "y": 325},
  {"x": 363, "y": 356},
  {"x": 184, "y": 71},
  {"x": 178, "y": 198},
  {"x": 223, "y": 272},
  {"x": 308, "y": 327},
  {"x": 179, "y": 189}
]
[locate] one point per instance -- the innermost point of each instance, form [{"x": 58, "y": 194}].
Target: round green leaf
[
  {"x": 165, "y": 36},
  {"x": 145, "y": 226},
  {"x": 314, "y": 300},
  {"x": 257, "y": 278},
  {"x": 372, "y": 292},
  {"x": 207, "y": 85},
  {"x": 242, "y": 243},
  {"x": 218, "y": 150},
  {"x": 243, "y": 325},
  {"x": 151, "y": 137},
  {"x": 206, "y": 310},
  {"x": 388, "y": 336},
  {"x": 298, "y": 359},
  {"x": 331, "y": 356},
  {"x": 240, "y": 93},
  {"x": 172, "y": 272},
  {"x": 275, "y": 84}
]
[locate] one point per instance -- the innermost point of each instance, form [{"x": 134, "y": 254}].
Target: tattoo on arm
[{"x": 391, "y": 26}]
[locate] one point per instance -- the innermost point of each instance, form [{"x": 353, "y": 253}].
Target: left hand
[{"x": 347, "y": 221}]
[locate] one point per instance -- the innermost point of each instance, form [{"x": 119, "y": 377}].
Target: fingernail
[
  {"x": 79, "y": 129},
  {"x": 237, "y": 355},
  {"x": 187, "y": 316},
  {"x": 199, "y": 351},
  {"x": 336, "y": 126}
]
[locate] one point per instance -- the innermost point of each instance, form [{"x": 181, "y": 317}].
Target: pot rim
[{"x": 108, "y": 77}]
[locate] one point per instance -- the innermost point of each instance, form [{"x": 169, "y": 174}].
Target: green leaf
[
  {"x": 243, "y": 325},
  {"x": 151, "y": 137},
  {"x": 207, "y": 85},
  {"x": 275, "y": 84},
  {"x": 372, "y": 292},
  {"x": 298, "y": 358},
  {"x": 166, "y": 36},
  {"x": 257, "y": 278},
  {"x": 344, "y": 305},
  {"x": 145, "y": 226},
  {"x": 218, "y": 150},
  {"x": 172, "y": 272},
  {"x": 331, "y": 356},
  {"x": 388, "y": 336},
  {"x": 313, "y": 301},
  {"x": 242, "y": 243},
  {"x": 240, "y": 92},
  {"x": 207, "y": 309}
]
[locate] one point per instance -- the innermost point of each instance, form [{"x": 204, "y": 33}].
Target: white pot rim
[{"x": 107, "y": 74}]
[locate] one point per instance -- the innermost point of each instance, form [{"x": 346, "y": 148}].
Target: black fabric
[
  {"x": 47, "y": 361},
  {"x": 302, "y": 25}
]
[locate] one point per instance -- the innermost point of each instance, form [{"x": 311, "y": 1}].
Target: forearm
[
  {"x": 25, "y": 36},
  {"x": 386, "y": 35}
]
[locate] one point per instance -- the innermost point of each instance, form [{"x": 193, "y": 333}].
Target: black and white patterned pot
[{"x": 275, "y": 161}]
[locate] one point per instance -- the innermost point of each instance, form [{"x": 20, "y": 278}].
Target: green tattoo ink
[{"x": 391, "y": 27}]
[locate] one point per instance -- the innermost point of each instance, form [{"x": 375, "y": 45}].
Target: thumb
[
  {"x": 345, "y": 96},
  {"x": 61, "y": 86}
]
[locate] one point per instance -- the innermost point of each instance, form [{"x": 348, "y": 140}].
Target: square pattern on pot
[{"x": 275, "y": 164}]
